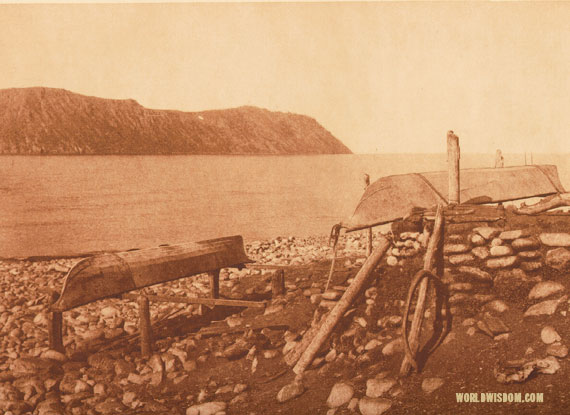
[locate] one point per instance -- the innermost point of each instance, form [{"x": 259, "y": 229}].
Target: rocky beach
[{"x": 507, "y": 283}]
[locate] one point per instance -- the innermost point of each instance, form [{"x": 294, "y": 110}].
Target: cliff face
[{"x": 56, "y": 121}]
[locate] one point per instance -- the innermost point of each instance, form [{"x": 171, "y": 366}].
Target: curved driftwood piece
[
  {"x": 418, "y": 318},
  {"x": 561, "y": 199},
  {"x": 342, "y": 306}
]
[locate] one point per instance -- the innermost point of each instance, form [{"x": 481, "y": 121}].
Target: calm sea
[{"x": 63, "y": 205}]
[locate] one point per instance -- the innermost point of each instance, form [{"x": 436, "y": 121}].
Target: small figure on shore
[
  {"x": 499, "y": 159},
  {"x": 366, "y": 180}
]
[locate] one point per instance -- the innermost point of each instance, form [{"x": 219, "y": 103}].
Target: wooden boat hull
[
  {"x": 109, "y": 275},
  {"x": 393, "y": 197}
]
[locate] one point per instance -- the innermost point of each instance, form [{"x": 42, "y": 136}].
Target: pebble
[
  {"x": 392, "y": 260},
  {"x": 525, "y": 244},
  {"x": 340, "y": 394},
  {"x": 526, "y": 255},
  {"x": 378, "y": 387},
  {"x": 393, "y": 347},
  {"x": 477, "y": 273},
  {"x": 270, "y": 354},
  {"x": 548, "y": 335},
  {"x": 429, "y": 385},
  {"x": 510, "y": 235},
  {"x": 290, "y": 391},
  {"x": 545, "y": 289},
  {"x": 481, "y": 252},
  {"x": 373, "y": 406},
  {"x": 487, "y": 232},
  {"x": 331, "y": 295},
  {"x": 557, "y": 258},
  {"x": 461, "y": 259},
  {"x": 501, "y": 250},
  {"x": 531, "y": 266},
  {"x": 477, "y": 240},
  {"x": 547, "y": 307},
  {"x": 497, "y": 306},
  {"x": 455, "y": 248},
  {"x": 496, "y": 242},
  {"x": 372, "y": 344},
  {"x": 502, "y": 262},
  {"x": 557, "y": 350},
  {"x": 273, "y": 309},
  {"x": 555, "y": 239},
  {"x": 208, "y": 408}
]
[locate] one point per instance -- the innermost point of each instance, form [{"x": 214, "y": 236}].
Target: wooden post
[
  {"x": 144, "y": 326},
  {"x": 453, "y": 155},
  {"x": 499, "y": 159},
  {"x": 369, "y": 230},
  {"x": 214, "y": 283},
  {"x": 331, "y": 320},
  {"x": 429, "y": 260},
  {"x": 278, "y": 283},
  {"x": 55, "y": 326}
]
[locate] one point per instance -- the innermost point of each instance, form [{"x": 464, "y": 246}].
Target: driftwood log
[
  {"x": 551, "y": 202},
  {"x": 429, "y": 261},
  {"x": 342, "y": 306}
]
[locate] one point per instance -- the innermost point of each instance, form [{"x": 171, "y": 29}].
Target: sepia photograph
[{"x": 296, "y": 208}]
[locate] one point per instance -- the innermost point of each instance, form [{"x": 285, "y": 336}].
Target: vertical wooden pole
[
  {"x": 278, "y": 283},
  {"x": 144, "y": 325},
  {"x": 369, "y": 230},
  {"x": 214, "y": 283},
  {"x": 453, "y": 167},
  {"x": 55, "y": 326}
]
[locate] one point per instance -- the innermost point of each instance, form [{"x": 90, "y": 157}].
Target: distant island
[{"x": 56, "y": 121}]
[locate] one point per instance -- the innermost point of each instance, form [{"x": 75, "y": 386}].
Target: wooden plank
[
  {"x": 205, "y": 301},
  {"x": 55, "y": 326},
  {"x": 109, "y": 275},
  {"x": 278, "y": 283}
]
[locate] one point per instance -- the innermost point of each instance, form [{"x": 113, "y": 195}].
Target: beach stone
[
  {"x": 555, "y": 239},
  {"x": 110, "y": 406},
  {"x": 526, "y": 255},
  {"x": 429, "y": 385},
  {"x": 487, "y": 232},
  {"x": 501, "y": 250},
  {"x": 458, "y": 298},
  {"x": 481, "y": 252},
  {"x": 510, "y": 235},
  {"x": 477, "y": 273},
  {"x": 557, "y": 349},
  {"x": 502, "y": 262},
  {"x": 493, "y": 326},
  {"x": 496, "y": 242},
  {"x": 461, "y": 259},
  {"x": 234, "y": 321},
  {"x": 290, "y": 391},
  {"x": 549, "y": 335},
  {"x": 460, "y": 286},
  {"x": 525, "y": 244},
  {"x": 208, "y": 408},
  {"x": 373, "y": 406},
  {"x": 340, "y": 394},
  {"x": 477, "y": 240},
  {"x": 372, "y": 344},
  {"x": 497, "y": 305},
  {"x": 558, "y": 258},
  {"x": 545, "y": 289},
  {"x": 235, "y": 350},
  {"x": 378, "y": 387},
  {"x": 531, "y": 266},
  {"x": 455, "y": 248},
  {"x": 393, "y": 347},
  {"x": 549, "y": 365},
  {"x": 31, "y": 366},
  {"x": 331, "y": 295},
  {"x": 392, "y": 260},
  {"x": 547, "y": 307},
  {"x": 273, "y": 309}
]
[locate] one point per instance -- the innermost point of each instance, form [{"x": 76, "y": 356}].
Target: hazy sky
[{"x": 382, "y": 77}]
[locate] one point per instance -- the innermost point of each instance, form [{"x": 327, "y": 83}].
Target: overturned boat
[{"x": 394, "y": 197}]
